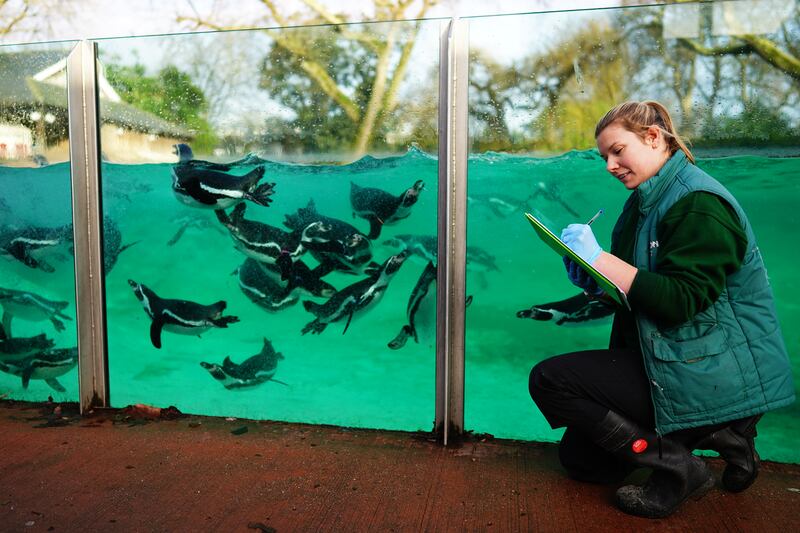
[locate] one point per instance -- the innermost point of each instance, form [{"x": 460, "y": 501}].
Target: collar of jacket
[{"x": 651, "y": 190}]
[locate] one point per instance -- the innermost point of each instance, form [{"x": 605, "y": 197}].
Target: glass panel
[
  {"x": 343, "y": 122},
  {"x": 539, "y": 83},
  {"x": 38, "y": 354}
]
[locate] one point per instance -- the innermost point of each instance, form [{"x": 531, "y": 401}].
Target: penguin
[
  {"x": 356, "y": 298},
  {"x": 212, "y": 189},
  {"x": 186, "y": 157},
  {"x": 577, "y": 310},
  {"x": 262, "y": 284},
  {"x": 179, "y": 316},
  {"x": 334, "y": 243},
  {"x": 260, "y": 241},
  {"x": 191, "y": 221},
  {"x": 30, "y": 245},
  {"x": 381, "y": 208},
  {"x": 30, "y": 306},
  {"x": 551, "y": 193},
  {"x": 422, "y": 300},
  {"x": 112, "y": 244},
  {"x": 255, "y": 370},
  {"x": 47, "y": 365},
  {"x": 501, "y": 205},
  {"x": 427, "y": 247},
  {"x": 16, "y": 348}
]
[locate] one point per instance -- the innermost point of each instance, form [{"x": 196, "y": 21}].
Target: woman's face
[{"x": 629, "y": 158}]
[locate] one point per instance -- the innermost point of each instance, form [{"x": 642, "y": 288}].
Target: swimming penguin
[
  {"x": 260, "y": 241},
  {"x": 550, "y": 192},
  {"x": 356, "y": 298},
  {"x": 381, "y": 208},
  {"x": 255, "y": 370},
  {"x": 30, "y": 306},
  {"x": 262, "y": 284},
  {"x": 421, "y": 301},
  {"x": 263, "y": 289},
  {"x": 192, "y": 221},
  {"x": 186, "y": 157},
  {"x": 574, "y": 311},
  {"x": 112, "y": 243},
  {"x": 179, "y": 316},
  {"x": 501, "y": 205},
  {"x": 31, "y": 245},
  {"x": 334, "y": 243},
  {"x": 16, "y": 348},
  {"x": 47, "y": 365},
  {"x": 212, "y": 189},
  {"x": 427, "y": 247}
]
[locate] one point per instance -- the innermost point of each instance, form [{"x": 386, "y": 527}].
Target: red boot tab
[{"x": 639, "y": 445}]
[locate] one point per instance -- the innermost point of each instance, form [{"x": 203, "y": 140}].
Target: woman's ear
[{"x": 653, "y": 137}]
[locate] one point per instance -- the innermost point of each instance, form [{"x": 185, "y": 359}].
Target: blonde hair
[{"x": 637, "y": 117}]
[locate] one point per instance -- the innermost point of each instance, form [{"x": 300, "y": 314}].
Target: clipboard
[{"x": 558, "y": 246}]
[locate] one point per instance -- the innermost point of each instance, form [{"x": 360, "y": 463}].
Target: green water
[{"x": 354, "y": 379}]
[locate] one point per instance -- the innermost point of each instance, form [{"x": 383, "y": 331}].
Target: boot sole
[{"x": 637, "y": 510}]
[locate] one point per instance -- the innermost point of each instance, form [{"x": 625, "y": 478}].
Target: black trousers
[{"x": 576, "y": 390}]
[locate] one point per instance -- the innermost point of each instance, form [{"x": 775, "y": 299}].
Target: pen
[{"x": 594, "y": 217}]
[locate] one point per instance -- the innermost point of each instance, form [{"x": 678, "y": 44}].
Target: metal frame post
[
  {"x": 84, "y": 156},
  {"x": 452, "y": 228}
]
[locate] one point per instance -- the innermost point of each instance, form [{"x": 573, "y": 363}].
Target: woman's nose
[{"x": 611, "y": 164}]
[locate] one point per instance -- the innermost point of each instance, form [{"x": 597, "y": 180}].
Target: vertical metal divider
[
  {"x": 452, "y": 228},
  {"x": 84, "y": 156}
]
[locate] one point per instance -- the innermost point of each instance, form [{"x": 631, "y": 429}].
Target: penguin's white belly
[{"x": 187, "y": 330}]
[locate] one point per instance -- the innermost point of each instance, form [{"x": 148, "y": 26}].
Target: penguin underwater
[
  {"x": 419, "y": 300},
  {"x": 260, "y": 241},
  {"x": 574, "y": 311},
  {"x": 30, "y": 306},
  {"x": 179, "y": 316},
  {"x": 263, "y": 285},
  {"x": 47, "y": 365},
  {"x": 336, "y": 244},
  {"x": 255, "y": 370},
  {"x": 30, "y": 245},
  {"x": 381, "y": 208},
  {"x": 207, "y": 186},
  {"x": 355, "y": 298},
  {"x": 16, "y": 348}
]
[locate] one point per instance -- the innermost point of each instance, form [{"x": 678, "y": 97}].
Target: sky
[{"x": 113, "y": 18}]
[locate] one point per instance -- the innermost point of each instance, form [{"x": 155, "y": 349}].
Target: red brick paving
[{"x": 111, "y": 473}]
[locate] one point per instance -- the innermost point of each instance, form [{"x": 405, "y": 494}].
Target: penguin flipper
[
  {"x": 400, "y": 340},
  {"x": 223, "y": 321},
  {"x": 57, "y": 324},
  {"x": 349, "y": 319},
  {"x": 375, "y": 227},
  {"x": 26, "y": 377},
  {"x": 155, "y": 330},
  {"x": 7, "y": 323},
  {"x": 55, "y": 385}
]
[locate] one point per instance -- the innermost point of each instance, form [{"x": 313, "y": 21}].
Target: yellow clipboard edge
[{"x": 558, "y": 246}]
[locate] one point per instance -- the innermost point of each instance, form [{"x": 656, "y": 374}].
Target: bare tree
[{"x": 390, "y": 51}]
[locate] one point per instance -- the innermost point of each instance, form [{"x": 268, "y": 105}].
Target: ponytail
[{"x": 637, "y": 117}]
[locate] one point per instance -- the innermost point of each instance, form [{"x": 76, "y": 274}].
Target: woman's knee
[{"x": 539, "y": 384}]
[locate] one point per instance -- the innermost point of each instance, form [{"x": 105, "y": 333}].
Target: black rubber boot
[
  {"x": 735, "y": 444},
  {"x": 677, "y": 474},
  {"x": 587, "y": 462}
]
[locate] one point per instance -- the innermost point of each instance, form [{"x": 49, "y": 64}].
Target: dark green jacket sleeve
[{"x": 700, "y": 242}]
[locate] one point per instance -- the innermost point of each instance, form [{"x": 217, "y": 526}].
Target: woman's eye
[{"x": 618, "y": 151}]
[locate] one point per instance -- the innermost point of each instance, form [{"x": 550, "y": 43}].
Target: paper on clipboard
[{"x": 558, "y": 246}]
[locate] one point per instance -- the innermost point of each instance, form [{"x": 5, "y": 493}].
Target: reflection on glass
[
  {"x": 535, "y": 98},
  {"x": 257, "y": 275},
  {"x": 38, "y": 354}
]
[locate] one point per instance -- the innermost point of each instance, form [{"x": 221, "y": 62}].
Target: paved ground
[{"x": 117, "y": 472}]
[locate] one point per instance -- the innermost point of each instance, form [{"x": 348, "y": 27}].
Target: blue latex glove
[
  {"x": 580, "y": 278},
  {"x": 580, "y": 239}
]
